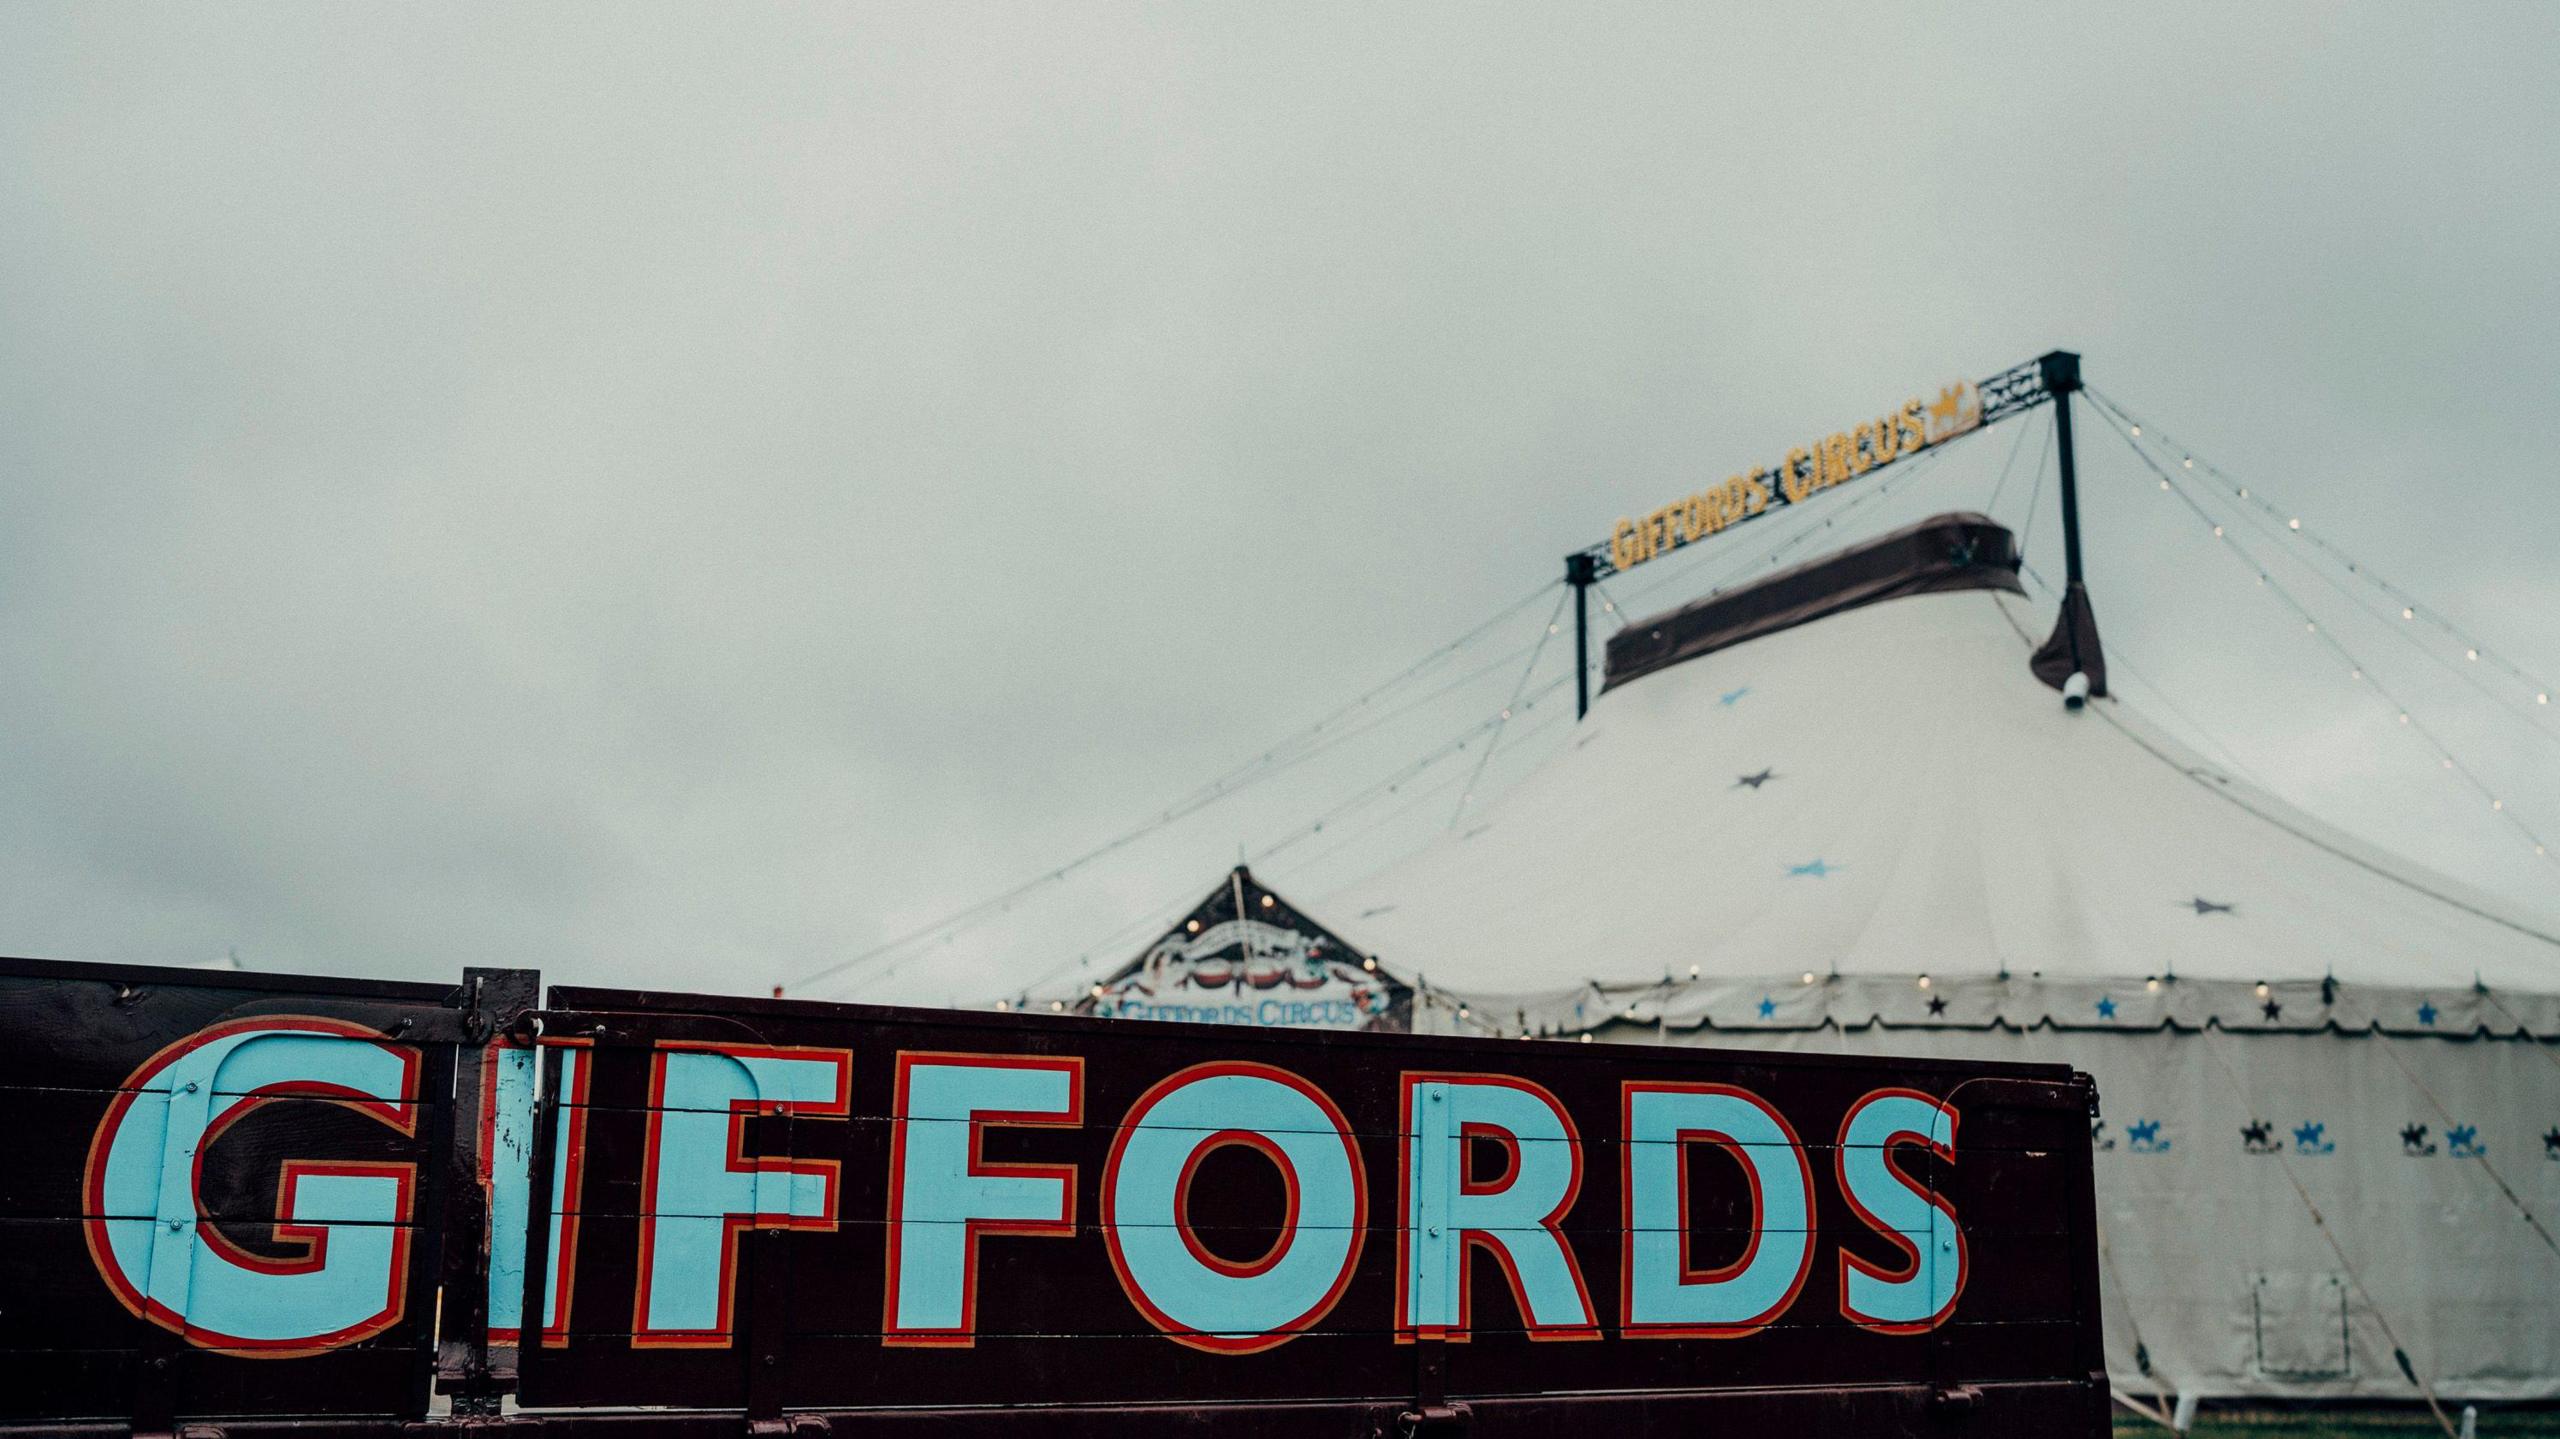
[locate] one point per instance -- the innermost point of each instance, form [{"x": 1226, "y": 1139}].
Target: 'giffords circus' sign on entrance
[
  {"x": 1244, "y": 955},
  {"x": 256, "y": 1197}
]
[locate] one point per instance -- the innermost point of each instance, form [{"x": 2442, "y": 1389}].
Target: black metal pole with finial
[
  {"x": 1580, "y": 571},
  {"x": 2061, "y": 377}
]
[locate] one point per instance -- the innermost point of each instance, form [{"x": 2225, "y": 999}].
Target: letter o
[{"x": 1195, "y": 1298}]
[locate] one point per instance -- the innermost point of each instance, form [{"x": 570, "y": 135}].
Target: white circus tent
[{"x": 1836, "y": 811}]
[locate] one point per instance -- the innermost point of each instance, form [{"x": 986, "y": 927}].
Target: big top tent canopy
[{"x": 1839, "y": 809}]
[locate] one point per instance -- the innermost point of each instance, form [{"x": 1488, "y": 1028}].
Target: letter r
[{"x": 1515, "y": 1215}]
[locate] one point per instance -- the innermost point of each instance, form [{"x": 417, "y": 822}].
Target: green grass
[{"x": 2349, "y": 1424}]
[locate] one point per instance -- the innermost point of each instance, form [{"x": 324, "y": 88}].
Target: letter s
[
  {"x": 1918, "y": 1295},
  {"x": 351, "y": 1219}
]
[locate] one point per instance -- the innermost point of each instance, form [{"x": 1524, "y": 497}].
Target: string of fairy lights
[
  {"x": 2357, "y": 671},
  {"x": 2412, "y": 610},
  {"x": 1536, "y": 653},
  {"x": 882, "y": 960},
  {"x": 1391, "y": 784}
]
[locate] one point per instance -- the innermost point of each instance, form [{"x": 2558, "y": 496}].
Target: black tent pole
[
  {"x": 1580, "y": 571},
  {"x": 2061, "y": 377}
]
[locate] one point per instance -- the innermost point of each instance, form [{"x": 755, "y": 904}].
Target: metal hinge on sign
[
  {"x": 1433, "y": 1421},
  {"x": 1955, "y": 1402}
]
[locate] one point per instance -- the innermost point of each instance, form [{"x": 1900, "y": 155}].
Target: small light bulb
[
  {"x": 1808, "y": 976},
  {"x": 1462, "y": 1011},
  {"x": 1551, "y": 629},
  {"x": 2217, "y": 532},
  {"x": 1097, "y": 991},
  {"x": 2448, "y": 762},
  {"x": 2191, "y": 464},
  {"x": 2407, "y": 613},
  {"x": 1924, "y": 981},
  {"x": 1506, "y": 714},
  {"x": 2244, "y": 492},
  {"x": 1586, "y": 1039},
  {"x": 2308, "y": 625},
  {"x": 2164, "y": 482},
  {"x": 1057, "y": 1006},
  {"x": 1609, "y": 607},
  {"x": 2294, "y": 524},
  {"x": 2137, "y": 429},
  {"x": 2542, "y": 697},
  {"x": 2497, "y": 804},
  {"x": 1266, "y": 901},
  {"x": 2152, "y": 984},
  {"x": 2262, "y": 989},
  {"x": 1192, "y": 925},
  {"x": 2471, "y": 654},
  {"x": 2404, "y": 717},
  {"x": 1370, "y": 964},
  {"x": 1693, "y": 971},
  {"x": 1002, "y": 1005},
  {"x": 2355, "y": 674}
]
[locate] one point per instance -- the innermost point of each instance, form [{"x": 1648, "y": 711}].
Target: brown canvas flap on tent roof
[{"x": 1956, "y": 551}]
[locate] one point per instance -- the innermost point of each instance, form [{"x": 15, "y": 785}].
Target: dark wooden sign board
[{"x": 783, "y": 1216}]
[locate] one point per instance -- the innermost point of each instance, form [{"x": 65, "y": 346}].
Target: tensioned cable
[
  {"x": 1336, "y": 741},
  {"x": 2411, "y": 609},
  {"x": 2118, "y": 662},
  {"x": 2532, "y": 1040},
  {"x": 1535, "y": 654},
  {"x": 2035, "y": 492},
  {"x": 2482, "y": 1155},
  {"x": 2316, "y": 841},
  {"x": 1233, "y": 782},
  {"x": 2464, "y": 672},
  {"x": 1388, "y": 785},
  {"x": 1991, "y": 506},
  {"x": 2355, "y": 667},
  {"x": 2209, "y": 1034},
  {"x": 1420, "y": 798}
]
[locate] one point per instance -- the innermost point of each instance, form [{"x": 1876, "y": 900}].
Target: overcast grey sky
[{"x": 677, "y": 494}]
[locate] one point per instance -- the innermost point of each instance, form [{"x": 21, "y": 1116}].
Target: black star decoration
[
  {"x": 1937, "y": 1004},
  {"x": 2413, "y": 1135},
  {"x": 2274, "y": 1010},
  {"x": 2206, "y": 906},
  {"x": 2551, "y": 1142},
  {"x": 1754, "y": 781},
  {"x": 2255, "y": 1132}
]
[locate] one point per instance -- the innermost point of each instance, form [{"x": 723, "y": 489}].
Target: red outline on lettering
[
  {"x": 570, "y": 1153},
  {"x": 724, "y": 1334},
  {"x": 1909, "y": 1251},
  {"x": 1627, "y": 1327},
  {"x": 1281, "y": 1334},
  {"x": 401, "y": 1115},
  {"x": 1064, "y": 1226},
  {"x": 1468, "y": 1239},
  {"x": 1268, "y": 1149}
]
